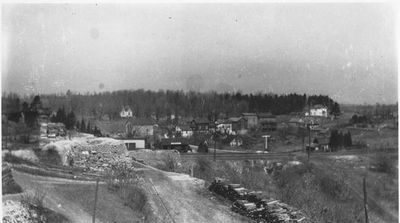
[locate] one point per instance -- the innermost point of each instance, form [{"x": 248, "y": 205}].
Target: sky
[{"x": 345, "y": 50}]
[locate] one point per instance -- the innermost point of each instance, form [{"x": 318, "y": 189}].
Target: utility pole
[
  {"x": 95, "y": 201},
  {"x": 215, "y": 147},
  {"x": 309, "y": 143},
  {"x": 266, "y": 142},
  {"x": 365, "y": 200}
]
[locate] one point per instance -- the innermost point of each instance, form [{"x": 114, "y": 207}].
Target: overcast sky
[{"x": 347, "y": 51}]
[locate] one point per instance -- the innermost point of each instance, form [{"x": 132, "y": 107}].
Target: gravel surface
[{"x": 15, "y": 212}]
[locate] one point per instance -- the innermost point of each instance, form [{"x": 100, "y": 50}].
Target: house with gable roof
[{"x": 126, "y": 112}]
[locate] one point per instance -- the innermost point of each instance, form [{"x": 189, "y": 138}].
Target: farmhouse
[
  {"x": 140, "y": 127},
  {"x": 201, "y": 125},
  {"x": 224, "y": 126},
  {"x": 126, "y": 112},
  {"x": 239, "y": 125},
  {"x": 184, "y": 130},
  {"x": 318, "y": 110}
]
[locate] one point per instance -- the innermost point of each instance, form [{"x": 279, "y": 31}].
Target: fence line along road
[
  {"x": 267, "y": 156},
  {"x": 237, "y": 156}
]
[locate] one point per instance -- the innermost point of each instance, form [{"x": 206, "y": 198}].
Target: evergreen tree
[
  {"x": 36, "y": 103},
  {"x": 88, "y": 128},
  {"x": 78, "y": 125},
  {"x": 83, "y": 126},
  {"x": 335, "y": 109},
  {"x": 70, "y": 121},
  {"x": 340, "y": 139},
  {"x": 347, "y": 139}
]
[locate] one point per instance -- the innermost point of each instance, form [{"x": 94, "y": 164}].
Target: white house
[
  {"x": 236, "y": 142},
  {"x": 318, "y": 110},
  {"x": 126, "y": 112},
  {"x": 185, "y": 131}
]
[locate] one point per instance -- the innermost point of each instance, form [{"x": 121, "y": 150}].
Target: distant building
[
  {"x": 236, "y": 142},
  {"x": 296, "y": 122},
  {"x": 318, "y": 110},
  {"x": 135, "y": 143},
  {"x": 180, "y": 144},
  {"x": 267, "y": 121},
  {"x": 223, "y": 126},
  {"x": 141, "y": 127},
  {"x": 126, "y": 112},
  {"x": 252, "y": 119},
  {"x": 239, "y": 125},
  {"x": 184, "y": 130},
  {"x": 200, "y": 125}
]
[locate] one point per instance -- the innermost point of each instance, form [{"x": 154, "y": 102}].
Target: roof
[
  {"x": 126, "y": 108},
  {"x": 266, "y": 115},
  {"x": 323, "y": 141},
  {"x": 185, "y": 127},
  {"x": 295, "y": 120},
  {"x": 143, "y": 121},
  {"x": 249, "y": 114},
  {"x": 201, "y": 121},
  {"x": 222, "y": 121},
  {"x": 235, "y": 119},
  {"x": 115, "y": 126},
  {"x": 318, "y": 106}
]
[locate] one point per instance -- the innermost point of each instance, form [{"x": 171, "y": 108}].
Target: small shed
[{"x": 135, "y": 143}]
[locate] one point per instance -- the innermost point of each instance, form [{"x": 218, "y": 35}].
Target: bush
[
  {"x": 383, "y": 163},
  {"x": 171, "y": 163},
  {"x": 136, "y": 198},
  {"x": 34, "y": 198},
  {"x": 321, "y": 196},
  {"x": 11, "y": 188},
  {"x": 49, "y": 156},
  {"x": 123, "y": 180},
  {"x": 8, "y": 157},
  {"x": 35, "y": 202},
  {"x": 203, "y": 169}
]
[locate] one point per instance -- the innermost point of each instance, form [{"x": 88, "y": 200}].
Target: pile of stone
[
  {"x": 96, "y": 154},
  {"x": 15, "y": 212}
]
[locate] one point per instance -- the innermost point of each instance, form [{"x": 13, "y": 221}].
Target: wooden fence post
[
  {"x": 95, "y": 201},
  {"x": 365, "y": 200}
]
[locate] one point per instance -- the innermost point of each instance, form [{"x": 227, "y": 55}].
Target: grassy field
[{"x": 110, "y": 207}]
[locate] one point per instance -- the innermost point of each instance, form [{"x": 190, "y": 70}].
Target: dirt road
[
  {"x": 53, "y": 200},
  {"x": 172, "y": 197},
  {"x": 180, "y": 198}
]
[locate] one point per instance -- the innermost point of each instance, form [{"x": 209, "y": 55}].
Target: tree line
[
  {"x": 81, "y": 126},
  {"x": 338, "y": 140},
  {"x": 210, "y": 105}
]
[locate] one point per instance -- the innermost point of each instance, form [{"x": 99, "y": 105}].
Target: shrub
[
  {"x": 203, "y": 168},
  {"x": 321, "y": 196},
  {"x": 11, "y": 188},
  {"x": 50, "y": 155},
  {"x": 123, "y": 180},
  {"x": 8, "y": 157},
  {"x": 383, "y": 163},
  {"x": 34, "y": 198},
  {"x": 136, "y": 198},
  {"x": 170, "y": 163}
]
